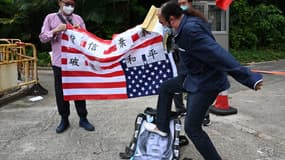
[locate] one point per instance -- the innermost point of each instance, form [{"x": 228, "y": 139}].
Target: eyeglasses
[{"x": 68, "y": 3}]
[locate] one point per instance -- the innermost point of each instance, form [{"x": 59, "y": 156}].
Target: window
[{"x": 217, "y": 18}]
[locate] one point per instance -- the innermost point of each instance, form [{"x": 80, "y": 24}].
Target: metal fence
[{"x": 18, "y": 64}]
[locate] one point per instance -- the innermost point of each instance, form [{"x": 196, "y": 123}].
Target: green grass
[{"x": 249, "y": 56}]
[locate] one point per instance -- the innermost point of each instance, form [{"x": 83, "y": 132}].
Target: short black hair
[{"x": 171, "y": 8}]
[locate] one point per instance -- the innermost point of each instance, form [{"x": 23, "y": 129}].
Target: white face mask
[{"x": 68, "y": 9}]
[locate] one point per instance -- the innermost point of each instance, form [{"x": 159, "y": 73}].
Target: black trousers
[
  {"x": 178, "y": 101},
  {"x": 167, "y": 91},
  {"x": 62, "y": 105}
]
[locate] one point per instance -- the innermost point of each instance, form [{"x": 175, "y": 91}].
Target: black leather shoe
[
  {"x": 84, "y": 123},
  {"x": 64, "y": 124},
  {"x": 206, "y": 121}
]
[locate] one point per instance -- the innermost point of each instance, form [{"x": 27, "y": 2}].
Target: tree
[{"x": 258, "y": 26}]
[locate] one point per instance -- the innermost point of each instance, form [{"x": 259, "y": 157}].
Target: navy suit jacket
[{"x": 206, "y": 61}]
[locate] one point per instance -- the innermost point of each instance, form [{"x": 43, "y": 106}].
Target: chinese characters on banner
[{"x": 130, "y": 65}]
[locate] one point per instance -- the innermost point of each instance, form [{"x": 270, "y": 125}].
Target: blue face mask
[
  {"x": 184, "y": 7},
  {"x": 167, "y": 30}
]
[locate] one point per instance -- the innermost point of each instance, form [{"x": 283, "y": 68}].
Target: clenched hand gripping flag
[{"x": 132, "y": 64}]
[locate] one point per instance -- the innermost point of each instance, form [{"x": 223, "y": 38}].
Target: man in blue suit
[{"x": 208, "y": 65}]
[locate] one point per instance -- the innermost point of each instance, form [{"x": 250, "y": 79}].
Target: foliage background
[{"x": 254, "y": 24}]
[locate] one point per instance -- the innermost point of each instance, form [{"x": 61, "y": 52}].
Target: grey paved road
[{"x": 257, "y": 132}]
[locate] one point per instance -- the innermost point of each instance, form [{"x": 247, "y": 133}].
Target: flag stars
[{"x": 145, "y": 80}]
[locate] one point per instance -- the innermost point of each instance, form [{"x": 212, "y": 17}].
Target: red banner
[{"x": 223, "y": 4}]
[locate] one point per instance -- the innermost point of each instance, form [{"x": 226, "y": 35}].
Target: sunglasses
[{"x": 68, "y": 3}]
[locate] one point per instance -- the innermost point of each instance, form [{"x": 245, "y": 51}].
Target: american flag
[{"x": 130, "y": 65}]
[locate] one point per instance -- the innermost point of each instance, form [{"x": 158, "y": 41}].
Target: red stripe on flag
[
  {"x": 64, "y": 37},
  {"x": 111, "y": 66},
  {"x": 69, "y": 49},
  {"x": 88, "y": 74},
  {"x": 69, "y": 26},
  {"x": 223, "y": 4},
  {"x": 92, "y": 58},
  {"x": 96, "y": 97},
  {"x": 91, "y": 35},
  {"x": 94, "y": 85},
  {"x": 64, "y": 61},
  {"x": 135, "y": 37},
  {"x": 152, "y": 41},
  {"x": 83, "y": 44},
  {"x": 111, "y": 49},
  {"x": 106, "y": 67}
]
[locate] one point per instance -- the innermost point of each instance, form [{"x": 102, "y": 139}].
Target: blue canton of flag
[{"x": 145, "y": 80}]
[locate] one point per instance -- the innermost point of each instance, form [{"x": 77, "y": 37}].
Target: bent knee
[{"x": 193, "y": 131}]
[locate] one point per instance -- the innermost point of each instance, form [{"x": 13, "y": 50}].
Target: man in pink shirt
[{"x": 53, "y": 27}]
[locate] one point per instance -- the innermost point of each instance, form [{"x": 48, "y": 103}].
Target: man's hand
[
  {"x": 59, "y": 28},
  {"x": 76, "y": 26}
]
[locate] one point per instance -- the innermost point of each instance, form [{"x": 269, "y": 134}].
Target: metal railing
[{"x": 18, "y": 64}]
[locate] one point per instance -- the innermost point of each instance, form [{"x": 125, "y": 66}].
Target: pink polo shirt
[{"x": 52, "y": 21}]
